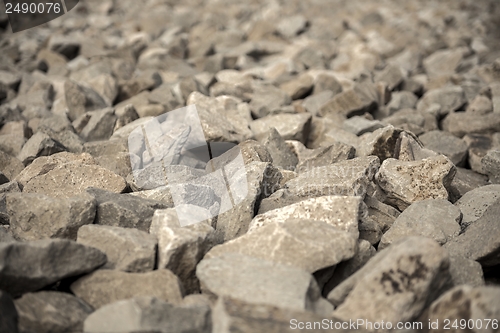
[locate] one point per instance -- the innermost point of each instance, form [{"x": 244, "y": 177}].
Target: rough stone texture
[
  {"x": 289, "y": 126},
  {"x": 475, "y": 203},
  {"x": 437, "y": 219},
  {"x": 465, "y": 271},
  {"x": 281, "y": 154},
  {"x": 356, "y": 101},
  {"x": 100, "y": 125},
  {"x": 381, "y": 143},
  {"x": 467, "y": 303},
  {"x": 325, "y": 156},
  {"x": 108, "y": 286},
  {"x": 37, "y": 216},
  {"x": 127, "y": 249},
  {"x": 51, "y": 311},
  {"x": 293, "y": 242},
  {"x": 409, "y": 182},
  {"x": 491, "y": 165},
  {"x": 480, "y": 240},
  {"x": 340, "y": 212},
  {"x": 238, "y": 276},
  {"x": 462, "y": 123},
  {"x": 447, "y": 144},
  {"x": 411, "y": 273},
  {"x": 466, "y": 180},
  {"x": 9, "y": 165},
  {"x": 148, "y": 314},
  {"x": 181, "y": 248},
  {"x": 384, "y": 215},
  {"x": 31, "y": 265},
  {"x": 360, "y": 125},
  {"x": 449, "y": 99},
  {"x": 8, "y": 314},
  {"x": 40, "y": 144},
  {"x": 68, "y": 180}
]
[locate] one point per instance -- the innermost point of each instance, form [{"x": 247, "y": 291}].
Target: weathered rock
[
  {"x": 106, "y": 286},
  {"x": 450, "y": 99},
  {"x": 326, "y": 82},
  {"x": 281, "y": 154},
  {"x": 29, "y": 266},
  {"x": 40, "y": 144},
  {"x": 362, "y": 98},
  {"x": 314, "y": 102},
  {"x": 100, "y": 125},
  {"x": 127, "y": 249},
  {"x": 267, "y": 100},
  {"x": 148, "y": 314},
  {"x": 9, "y": 165},
  {"x": 80, "y": 99},
  {"x": 447, "y": 144},
  {"x": 465, "y": 180},
  {"x": 325, "y": 156},
  {"x": 291, "y": 26},
  {"x": 242, "y": 277},
  {"x": 443, "y": 62},
  {"x": 473, "y": 204},
  {"x": 289, "y": 126},
  {"x": 480, "y": 105},
  {"x": 384, "y": 215},
  {"x": 67, "y": 180},
  {"x": 465, "y": 271},
  {"x": 478, "y": 241},
  {"x": 65, "y": 45},
  {"x": 392, "y": 75},
  {"x": 51, "y": 311},
  {"x": 36, "y": 216},
  {"x": 411, "y": 273},
  {"x": 491, "y": 165},
  {"x": 340, "y": 212},
  {"x": 124, "y": 210},
  {"x": 360, "y": 125},
  {"x": 181, "y": 248},
  {"x": 381, "y": 143},
  {"x": 409, "y": 182},
  {"x": 299, "y": 87},
  {"x": 401, "y": 100},
  {"x": 349, "y": 178},
  {"x": 8, "y": 314},
  {"x": 433, "y": 218},
  {"x": 461, "y": 123},
  {"x": 467, "y": 304}
]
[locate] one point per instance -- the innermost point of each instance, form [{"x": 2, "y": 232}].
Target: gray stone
[
  {"x": 401, "y": 100},
  {"x": 65, "y": 45},
  {"x": 267, "y": 100},
  {"x": 473, "y": 204},
  {"x": 258, "y": 281},
  {"x": 340, "y": 212},
  {"x": 9, "y": 165},
  {"x": 68, "y": 179},
  {"x": 369, "y": 230},
  {"x": 326, "y": 82},
  {"x": 106, "y": 286},
  {"x": 444, "y": 62},
  {"x": 392, "y": 75},
  {"x": 384, "y": 215},
  {"x": 281, "y": 154},
  {"x": 411, "y": 273},
  {"x": 479, "y": 146},
  {"x": 29, "y": 266},
  {"x": 8, "y": 314},
  {"x": 125, "y": 115},
  {"x": 124, "y": 210},
  {"x": 381, "y": 143},
  {"x": 127, "y": 249},
  {"x": 51, "y": 311},
  {"x": 9, "y": 80},
  {"x": 314, "y": 102},
  {"x": 299, "y": 87},
  {"x": 467, "y": 304},
  {"x": 465, "y": 271},
  {"x": 80, "y": 99},
  {"x": 325, "y": 156},
  {"x": 289, "y": 126},
  {"x": 409, "y": 182},
  {"x": 410, "y": 148},
  {"x": 491, "y": 165},
  {"x": 100, "y": 125},
  {"x": 462, "y": 123},
  {"x": 148, "y": 314},
  {"x": 36, "y": 216},
  {"x": 291, "y": 26},
  {"x": 5, "y": 235},
  {"x": 450, "y": 99},
  {"x": 40, "y": 144},
  {"x": 181, "y": 248},
  {"x": 480, "y": 105},
  {"x": 465, "y": 180},
  {"x": 362, "y": 98},
  {"x": 447, "y": 144},
  {"x": 434, "y": 218},
  {"x": 349, "y": 178},
  {"x": 479, "y": 241},
  {"x": 118, "y": 163},
  {"x": 360, "y": 125}
]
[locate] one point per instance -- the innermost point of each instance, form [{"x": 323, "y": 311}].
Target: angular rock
[
  {"x": 9, "y": 165},
  {"x": 314, "y": 102},
  {"x": 100, "y": 125},
  {"x": 449, "y": 98},
  {"x": 360, "y": 125},
  {"x": 491, "y": 165},
  {"x": 289, "y": 126},
  {"x": 462, "y": 123},
  {"x": 267, "y": 100},
  {"x": 127, "y": 249},
  {"x": 465, "y": 181},
  {"x": 299, "y": 87},
  {"x": 384, "y": 215},
  {"x": 80, "y": 99},
  {"x": 36, "y": 216},
  {"x": 392, "y": 75},
  {"x": 67, "y": 180},
  {"x": 474, "y": 204},
  {"x": 409, "y": 182},
  {"x": 51, "y": 311},
  {"x": 443, "y": 62},
  {"x": 433, "y": 218},
  {"x": 381, "y": 143},
  {"x": 409, "y": 148},
  {"x": 291, "y": 26},
  {"x": 467, "y": 304},
  {"x": 447, "y": 144},
  {"x": 411, "y": 273},
  {"x": 362, "y": 98},
  {"x": 401, "y": 100},
  {"x": 106, "y": 286},
  {"x": 258, "y": 281},
  {"x": 325, "y": 156},
  {"x": 40, "y": 144},
  {"x": 465, "y": 271},
  {"x": 124, "y": 210},
  {"x": 8, "y": 314},
  {"x": 291, "y": 242},
  {"x": 181, "y": 248},
  {"x": 29, "y": 266},
  {"x": 326, "y": 82},
  {"x": 148, "y": 314},
  {"x": 281, "y": 154},
  {"x": 65, "y": 45},
  {"x": 480, "y": 105},
  {"x": 340, "y": 212},
  {"x": 479, "y": 241}
]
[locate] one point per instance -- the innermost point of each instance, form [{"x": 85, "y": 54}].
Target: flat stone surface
[
  {"x": 281, "y": 154},
  {"x": 360, "y": 125},
  {"x": 447, "y": 144},
  {"x": 289, "y": 126},
  {"x": 380, "y": 143},
  {"x": 127, "y": 249},
  {"x": 31, "y": 265},
  {"x": 325, "y": 156},
  {"x": 462, "y": 123},
  {"x": 293, "y": 242},
  {"x": 473, "y": 204},
  {"x": 36, "y": 216},
  {"x": 491, "y": 165},
  {"x": 40, "y": 144},
  {"x": 51, "y": 311},
  {"x": 465, "y": 271},
  {"x": 106, "y": 286},
  {"x": 450, "y": 99},
  {"x": 437, "y": 219},
  {"x": 409, "y": 182},
  {"x": 9, "y": 165},
  {"x": 466, "y": 180},
  {"x": 410, "y": 273},
  {"x": 362, "y": 98}
]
